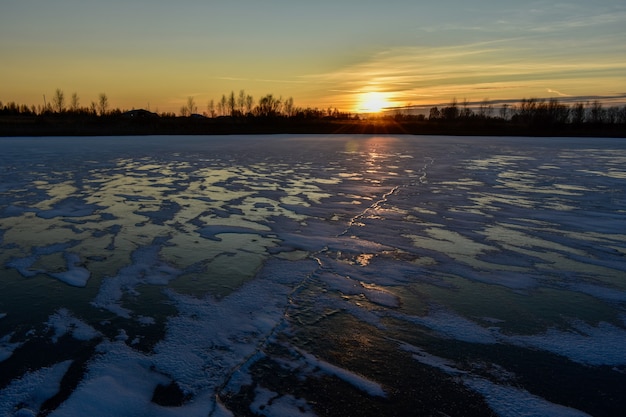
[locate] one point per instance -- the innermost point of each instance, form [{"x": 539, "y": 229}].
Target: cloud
[{"x": 558, "y": 93}]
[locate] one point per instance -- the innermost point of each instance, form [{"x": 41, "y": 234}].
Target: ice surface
[
  {"x": 591, "y": 345},
  {"x": 24, "y": 396},
  {"x": 509, "y": 401},
  {"x": 63, "y": 322},
  {"x": 187, "y": 259},
  {"x": 268, "y": 403},
  {"x": 6, "y": 347},
  {"x": 360, "y": 382},
  {"x": 75, "y": 275}
]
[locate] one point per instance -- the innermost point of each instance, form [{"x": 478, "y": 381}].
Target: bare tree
[
  {"x": 74, "y": 103},
  {"x": 241, "y": 101},
  {"x": 268, "y": 106},
  {"x": 211, "y": 108},
  {"x": 249, "y": 104},
  {"x": 103, "y": 104},
  {"x": 232, "y": 103},
  {"x": 504, "y": 111},
  {"x": 58, "y": 101},
  {"x": 191, "y": 107},
  {"x": 288, "y": 108},
  {"x": 434, "y": 113},
  {"x": 223, "y": 105},
  {"x": 597, "y": 114}
]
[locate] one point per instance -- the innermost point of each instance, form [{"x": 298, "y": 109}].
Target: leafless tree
[
  {"x": 241, "y": 101},
  {"x": 223, "y": 105},
  {"x": 190, "y": 107},
  {"x": 232, "y": 103},
  {"x": 249, "y": 104},
  {"x": 103, "y": 104},
  {"x": 288, "y": 108},
  {"x": 211, "y": 108},
  {"x": 74, "y": 103},
  {"x": 268, "y": 106},
  {"x": 504, "y": 111},
  {"x": 58, "y": 101}
]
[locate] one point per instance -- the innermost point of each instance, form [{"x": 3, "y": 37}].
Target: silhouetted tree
[
  {"x": 578, "y": 113},
  {"x": 223, "y": 105},
  {"x": 596, "y": 112},
  {"x": 504, "y": 112},
  {"x": 485, "y": 109},
  {"x": 466, "y": 112},
  {"x": 74, "y": 103},
  {"x": 58, "y": 101},
  {"x": 189, "y": 108},
  {"x": 241, "y": 101},
  {"x": 211, "y": 108},
  {"x": 268, "y": 106},
  {"x": 557, "y": 113},
  {"x": 434, "y": 113},
  {"x": 232, "y": 103},
  {"x": 288, "y": 107},
  {"x": 249, "y": 104},
  {"x": 450, "y": 112},
  {"x": 103, "y": 104}
]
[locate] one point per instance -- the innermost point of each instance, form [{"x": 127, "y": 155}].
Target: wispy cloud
[
  {"x": 502, "y": 68},
  {"x": 550, "y": 90}
]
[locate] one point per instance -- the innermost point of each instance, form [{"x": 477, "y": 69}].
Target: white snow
[
  {"x": 508, "y": 401},
  {"x": 271, "y": 404},
  {"x": 366, "y": 385},
  {"x": 63, "y": 322},
  {"x": 590, "y": 345},
  {"x": 6, "y": 347},
  {"x": 25, "y": 395}
]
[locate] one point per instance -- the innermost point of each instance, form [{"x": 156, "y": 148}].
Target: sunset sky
[{"x": 156, "y": 53}]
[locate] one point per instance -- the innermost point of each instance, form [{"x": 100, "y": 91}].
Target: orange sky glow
[{"x": 377, "y": 56}]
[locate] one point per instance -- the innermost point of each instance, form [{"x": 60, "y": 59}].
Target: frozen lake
[{"x": 312, "y": 275}]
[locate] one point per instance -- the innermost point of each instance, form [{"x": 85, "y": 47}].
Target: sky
[{"x": 155, "y": 54}]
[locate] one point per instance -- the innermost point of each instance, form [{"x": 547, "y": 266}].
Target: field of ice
[{"x": 312, "y": 276}]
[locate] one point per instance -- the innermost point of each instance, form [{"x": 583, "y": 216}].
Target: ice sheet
[{"x": 189, "y": 258}]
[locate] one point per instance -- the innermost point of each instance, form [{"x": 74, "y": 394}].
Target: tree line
[
  {"x": 230, "y": 105},
  {"x": 530, "y": 112}
]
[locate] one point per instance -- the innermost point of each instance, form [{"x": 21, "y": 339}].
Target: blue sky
[{"x": 325, "y": 53}]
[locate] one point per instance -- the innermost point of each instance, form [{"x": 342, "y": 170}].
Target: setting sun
[{"x": 372, "y": 102}]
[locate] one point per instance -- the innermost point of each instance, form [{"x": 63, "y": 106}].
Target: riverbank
[{"x": 61, "y": 125}]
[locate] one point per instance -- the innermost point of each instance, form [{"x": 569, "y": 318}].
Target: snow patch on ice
[
  {"x": 63, "y": 322},
  {"x": 146, "y": 268},
  {"x": 75, "y": 275},
  {"x": 368, "y": 386},
  {"x": 268, "y": 403},
  {"x": 24, "y": 396},
  {"x": 426, "y": 358},
  {"x": 585, "y": 344},
  {"x": 6, "y": 347},
  {"x": 452, "y": 325},
  {"x": 508, "y": 401}
]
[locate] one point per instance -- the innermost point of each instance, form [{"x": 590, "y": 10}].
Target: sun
[{"x": 372, "y": 102}]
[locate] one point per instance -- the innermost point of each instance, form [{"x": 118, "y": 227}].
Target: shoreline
[{"x": 28, "y": 126}]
